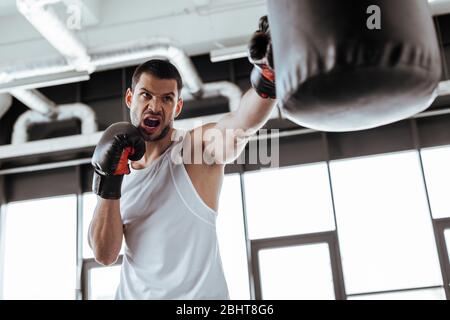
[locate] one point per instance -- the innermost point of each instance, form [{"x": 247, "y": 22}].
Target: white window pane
[
  {"x": 40, "y": 249},
  {"x": 231, "y": 234},
  {"x": 447, "y": 241},
  {"x": 103, "y": 282},
  {"x": 89, "y": 204},
  {"x": 296, "y": 273},
  {"x": 423, "y": 294},
  {"x": 384, "y": 225},
  {"x": 288, "y": 201},
  {"x": 436, "y": 165}
]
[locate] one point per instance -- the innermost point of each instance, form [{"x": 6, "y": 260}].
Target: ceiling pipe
[
  {"x": 45, "y": 20},
  {"x": 5, "y": 103},
  {"x": 444, "y": 88},
  {"x": 211, "y": 90},
  {"x": 167, "y": 51},
  {"x": 111, "y": 59},
  {"x": 439, "y": 7},
  {"x": 63, "y": 112},
  {"x": 35, "y": 100},
  {"x": 219, "y": 89},
  {"x": 47, "y": 23}
]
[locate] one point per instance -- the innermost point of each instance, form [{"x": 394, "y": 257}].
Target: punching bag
[{"x": 347, "y": 65}]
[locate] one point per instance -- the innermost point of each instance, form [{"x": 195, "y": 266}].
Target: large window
[
  {"x": 231, "y": 234},
  {"x": 89, "y": 203},
  {"x": 288, "y": 201},
  {"x": 40, "y": 249},
  {"x": 103, "y": 282},
  {"x": 384, "y": 224},
  {"x": 381, "y": 246},
  {"x": 297, "y": 272},
  {"x": 436, "y": 165}
]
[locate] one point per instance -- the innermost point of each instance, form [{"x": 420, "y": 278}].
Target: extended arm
[{"x": 225, "y": 139}]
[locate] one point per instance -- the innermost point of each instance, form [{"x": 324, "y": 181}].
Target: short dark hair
[{"x": 161, "y": 69}]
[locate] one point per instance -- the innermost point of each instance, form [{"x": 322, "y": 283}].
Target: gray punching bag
[{"x": 347, "y": 65}]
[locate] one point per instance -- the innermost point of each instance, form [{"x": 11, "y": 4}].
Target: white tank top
[{"x": 171, "y": 247}]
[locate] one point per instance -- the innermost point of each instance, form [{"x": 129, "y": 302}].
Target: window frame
[
  {"x": 329, "y": 238},
  {"x": 88, "y": 265},
  {"x": 440, "y": 225},
  {"x": 2, "y": 248},
  {"x": 394, "y": 291}
]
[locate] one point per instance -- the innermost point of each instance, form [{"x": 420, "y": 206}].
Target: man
[{"x": 166, "y": 209}]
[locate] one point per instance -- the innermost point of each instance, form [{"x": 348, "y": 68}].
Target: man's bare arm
[
  {"x": 223, "y": 141},
  {"x": 119, "y": 143},
  {"x": 256, "y": 105},
  {"x": 252, "y": 114},
  {"x": 106, "y": 231}
]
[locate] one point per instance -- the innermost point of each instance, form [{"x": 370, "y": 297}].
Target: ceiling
[{"x": 196, "y": 26}]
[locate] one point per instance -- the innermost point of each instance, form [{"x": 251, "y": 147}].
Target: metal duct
[
  {"x": 5, "y": 103},
  {"x": 35, "y": 100},
  {"x": 111, "y": 59},
  {"x": 438, "y": 7},
  {"x": 210, "y": 90},
  {"x": 444, "y": 88},
  {"x": 46, "y": 21},
  {"x": 156, "y": 50},
  {"x": 63, "y": 112},
  {"x": 80, "y": 111},
  {"x": 219, "y": 89}
]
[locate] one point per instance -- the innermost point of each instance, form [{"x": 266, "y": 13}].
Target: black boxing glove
[
  {"x": 260, "y": 55},
  {"x": 119, "y": 143}
]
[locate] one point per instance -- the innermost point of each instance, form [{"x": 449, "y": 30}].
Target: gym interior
[{"x": 348, "y": 215}]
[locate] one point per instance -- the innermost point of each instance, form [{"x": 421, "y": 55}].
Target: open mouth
[{"x": 151, "y": 124}]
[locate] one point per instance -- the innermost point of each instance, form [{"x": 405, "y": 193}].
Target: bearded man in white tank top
[{"x": 165, "y": 209}]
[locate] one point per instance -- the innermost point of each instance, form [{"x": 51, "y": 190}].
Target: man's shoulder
[
  {"x": 198, "y": 150},
  {"x": 197, "y": 135},
  {"x": 201, "y": 129}
]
